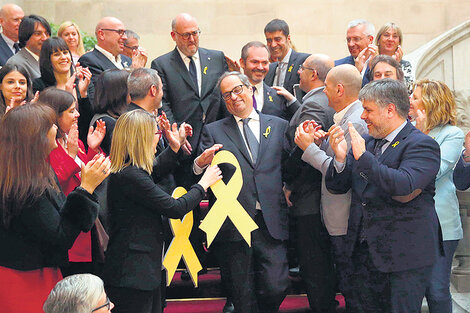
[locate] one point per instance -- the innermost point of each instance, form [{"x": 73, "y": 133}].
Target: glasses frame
[
  {"x": 120, "y": 32},
  {"x": 228, "y": 95},
  {"x": 186, "y": 36},
  {"x": 303, "y": 68},
  {"x": 107, "y": 304},
  {"x": 133, "y": 48}
]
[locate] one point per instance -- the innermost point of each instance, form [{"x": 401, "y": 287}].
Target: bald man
[
  {"x": 189, "y": 74},
  {"x": 110, "y": 35},
  {"x": 10, "y": 19}
]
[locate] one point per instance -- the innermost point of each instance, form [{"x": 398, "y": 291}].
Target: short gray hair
[
  {"x": 79, "y": 293},
  {"x": 386, "y": 91},
  {"x": 132, "y": 34},
  {"x": 243, "y": 78},
  {"x": 369, "y": 30},
  {"x": 140, "y": 81}
]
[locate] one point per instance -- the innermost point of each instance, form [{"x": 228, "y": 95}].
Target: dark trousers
[
  {"x": 373, "y": 291},
  {"x": 130, "y": 300},
  {"x": 256, "y": 276},
  {"x": 316, "y": 263}
]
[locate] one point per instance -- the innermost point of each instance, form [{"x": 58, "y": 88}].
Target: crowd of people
[{"x": 349, "y": 168}]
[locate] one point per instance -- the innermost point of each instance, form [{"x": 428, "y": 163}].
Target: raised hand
[
  {"x": 398, "y": 54},
  {"x": 70, "y": 84},
  {"x": 212, "y": 175},
  {"x": 96, "y": 136},
  {"x": 84, "y": 79},
  {"x": 421, "y": 120},
  {"x": 233, "y": 66},
  {"x": 303, "y": 137},
  {"x": 72, "y": 141},
  {"x": 358, "y": 144},
  {"x": 139, "y": 58},
  {"x": 338, "y": 143},
  {"x": 206, "y": 157},
  {"x": 94, "y": 172},
  {"x": 368, "y": 52}
]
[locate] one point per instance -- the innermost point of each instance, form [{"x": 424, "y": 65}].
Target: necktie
[
  {"x": 379, "y": 143},
  {"x": 280, "y": 68},
  {"x": 254, "y": 98},
  {"x": 16, "y": 46},
  {"x": 192, "y": 71},
  {"x": 250, "y": 138}
]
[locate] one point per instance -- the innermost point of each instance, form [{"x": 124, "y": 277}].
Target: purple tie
[{"x": 254, "y": 99}]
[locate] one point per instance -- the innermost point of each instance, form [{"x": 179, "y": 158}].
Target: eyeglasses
[
  {"x": 303, "y": 68},
  {"x": 354, "y": 39},
  {"x": 121, "y": 32},
  {"x": 133, "y": 48},
  {"x": 236, "y": 91},
  {"x": 186, "y": 36},
  {"x": 107, "y": 305}
]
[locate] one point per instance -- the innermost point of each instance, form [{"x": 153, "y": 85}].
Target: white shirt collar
[
  {"x": 36, "y": 57},
  {"x": 9, "y": 42},
  {"x": 184, "y": 56},
  {"x": 338, "y": 116},
  {"x": 253, "y": 115},
  {"x": 287, "y": 57},
  {"x": 109, "y": 55}
]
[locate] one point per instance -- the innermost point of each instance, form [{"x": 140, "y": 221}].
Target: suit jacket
[
  {"x": 181, "y": 100},
  {"x": 25, "y": 59},
  {"x": 5, "y": 52},
  {"x": 292, "y": 77},
  {"x": 335, "y": 207},
  {"x": 400, "y": 235},
  {"x": 136, "y": 205},
  {"x": 350, "y": 60},
  {"x": 277, "y": 105},
  {"x": 302, "y": 180},
  {"x": 97, "y": 63},
  {"x": 462, "y": 174},
  {"x": 262, "y": 182},
  {"x": 45, "y": 229}
]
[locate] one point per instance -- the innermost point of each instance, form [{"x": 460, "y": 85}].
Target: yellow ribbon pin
[
  {"x": 395, "y": 144},
  {"x": 180, "y": 246},
  {"x": 205, "y": 70},
  {"x": 290, "y": 68},
  {"x": 227, "y": 205},
  {"x": 267, "y": 132},
  {"x": 270, "y": 99}
]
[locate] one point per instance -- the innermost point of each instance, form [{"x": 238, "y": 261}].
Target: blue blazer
[
  {"x": 402, "y": 234},
  {"x": 462, "y": 174},
  {"x": 5, "y": 52},
  {"x": 350, "y": 60}
]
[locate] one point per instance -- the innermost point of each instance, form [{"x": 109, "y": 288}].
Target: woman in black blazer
[
  {"x": 132, "y": 271},
  {"x": 39, "y": 224}
]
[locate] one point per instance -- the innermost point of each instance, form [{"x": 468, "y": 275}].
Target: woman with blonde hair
[
  {"x": 70, "y": 32},
  {"x": 433, "y": 106},
  {"x": 132, "y": 270}
]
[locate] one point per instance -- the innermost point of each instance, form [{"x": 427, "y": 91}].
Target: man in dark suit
[
  {"x": 33, "y": 31},
  {"x": 258, "y": 275},
  {"x": 255, "y": 64},
  {"x": 393, "y": 232},
  {"x": 282, "y": 72},
  {"x": 189, "y": 74},
  {"x": 10, "y": 19},
  {"x": 360, "y": 38},
  {"x": 110, "y": 35},
  {"x": 303, "y": 190}
]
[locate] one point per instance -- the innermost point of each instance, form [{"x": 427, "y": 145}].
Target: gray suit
[
  {"x": 335, "y": 207},
  {"x": 25, "y": 59}
]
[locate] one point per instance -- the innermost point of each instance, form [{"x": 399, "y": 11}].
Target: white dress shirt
[
  {"x": 115, "y": 60},
  {"x": 197, "y": 63},
  {"x": 9, "y": 43},
  {"x": 259, "y": 96}
]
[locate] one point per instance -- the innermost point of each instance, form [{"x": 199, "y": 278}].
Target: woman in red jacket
[{"x": 67, "y": 160}]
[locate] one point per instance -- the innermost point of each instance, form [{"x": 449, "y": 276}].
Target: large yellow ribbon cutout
[
  {"x": 180, "y": 246},
  {"x": 227, "y": 204}
]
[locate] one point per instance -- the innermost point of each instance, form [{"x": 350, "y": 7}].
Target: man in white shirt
[{"x": 10, "y": 19}]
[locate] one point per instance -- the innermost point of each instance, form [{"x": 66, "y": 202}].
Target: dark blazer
[
  {"x": 262, "y": 181},
  {"x": 5, "y": 52},
  {"x": 25, "y": 59},
  {"x": 97, "y": 63},
  {"x": 44, "y": 231},
  {"x": 181, "y": 100},
  {"x": 462, "y": 175},
  {"x": 292, "y": 77},
  {"x": 277, "y": 105},
  {"x": 350, "y": 60},
  {"x": 400, "y": 236},
  {"x": 136, "y": 206},
  {"x": 303, "y": 180}
]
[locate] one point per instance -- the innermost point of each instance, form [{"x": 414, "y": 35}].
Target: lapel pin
[
  {"x": 267, "y": 132},
  {"x": 270, "y": 99},
  {"x": 395, "y": 144},
  {"x": 290, "y": 68},
  {"x": 205, "y": 70},
  {"x": 209, "y": 58}
]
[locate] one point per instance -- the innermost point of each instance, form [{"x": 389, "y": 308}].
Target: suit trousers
[
  {"x": 373, "y": 291},
  {"x": 316, "y": 263},
  {"x": 130, "y": 300},
  {"x": 257, "y": 276}
]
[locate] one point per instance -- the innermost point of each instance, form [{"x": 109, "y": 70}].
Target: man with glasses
[
  {"x": 132, "y": 49},
  {"x": 110, "y": 35},
  {"x": 32, "y": 32},
  {"x": 10, "y": 19},
  {"x": 360, "y": 38},
  {"x": 257, "y": 275}
]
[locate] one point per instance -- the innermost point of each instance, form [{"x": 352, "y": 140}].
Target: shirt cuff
[
  {"x": 197, "y": 169},
  {"x": 290, "y": 102},
  {"x": 339, "y": 166}
]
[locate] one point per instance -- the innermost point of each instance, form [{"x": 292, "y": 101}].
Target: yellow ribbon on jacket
[
  {"x": 227, "y": 205},
  {"x": 180, "y": 246}
]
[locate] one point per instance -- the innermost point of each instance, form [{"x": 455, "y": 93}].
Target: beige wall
[{"x": 316, "y": 26}]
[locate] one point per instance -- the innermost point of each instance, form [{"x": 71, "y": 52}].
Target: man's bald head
[
  {"x": 110, "y": 35},
  {"x": 10, "y": 19},
  {"x": 314, "y": 70},
  {"x": 342, "y": 86},
  {"x": 321, "y": 63},
  {"x": 181, "y": 19}
]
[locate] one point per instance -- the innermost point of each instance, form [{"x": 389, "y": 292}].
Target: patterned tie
[
  {"x": 16, "y": 46},
  {"x": 192, "y": 71},
  {"x": 379, "y": 143},
  {"x": 250, "y": 138},
  {"x": 254, "y": 98}
]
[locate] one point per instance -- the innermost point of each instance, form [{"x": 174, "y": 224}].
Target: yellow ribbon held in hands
[
  {"x": 180, "y": 246},
  {"x": 227, "y": 205}
]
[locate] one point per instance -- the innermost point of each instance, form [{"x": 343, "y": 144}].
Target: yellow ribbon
[
  {"x": 205, "y": 70},
  {"x": 180, "y": 246},
  {"x": 290, "y": 68},
  {"x": 227, "y": 204},
  {"x": 270, "y": 99},
  {"x": 267, "y": 132},
  {"x": 395, "y": 144}
]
